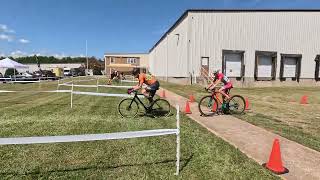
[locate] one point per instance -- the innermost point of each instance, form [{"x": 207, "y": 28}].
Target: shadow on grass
[{"x": 184, "y": 162}]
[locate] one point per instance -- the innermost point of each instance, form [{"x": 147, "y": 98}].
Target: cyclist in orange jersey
[{"x": 148, "y": 79}]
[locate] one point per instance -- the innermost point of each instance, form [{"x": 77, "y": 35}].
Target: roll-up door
[
  {"x": 289, "y": 67},
  {"x": 233, "y": 64},
  {"x": 265, "y": 66}
]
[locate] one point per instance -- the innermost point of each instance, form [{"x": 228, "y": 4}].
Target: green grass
[
  {"x": 276, "y": 109},
  {"x": 203, "y": 155}
]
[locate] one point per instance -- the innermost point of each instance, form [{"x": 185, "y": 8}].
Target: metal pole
[
  {"x": 58, "y": 84},
  {"x": 87, "y": 57},
  {"x": 98, "y": 84},
  {"x": 71, "y": 94},
  {"x": 178, "y": 141},
  {"x": 167, "y": 59}
]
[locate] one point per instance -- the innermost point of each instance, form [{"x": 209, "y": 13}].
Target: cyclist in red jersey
[{"x": 220, "y": 77}]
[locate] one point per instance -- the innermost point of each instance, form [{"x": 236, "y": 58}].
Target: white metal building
[{"x": 252, "y": 47}]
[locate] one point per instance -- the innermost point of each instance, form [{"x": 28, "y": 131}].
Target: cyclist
[
  {"x": 151, "y": 82},
  {"x": 220, "y": 77}
]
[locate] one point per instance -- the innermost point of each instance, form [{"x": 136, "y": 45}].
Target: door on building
[
  {"x": 233, "y": 63},
  {"x": 290, "y": 67},
  {"x": 317, "y": 70},
  {"x": 265, "y": 65},
  {"x": 204, "y": 67}
]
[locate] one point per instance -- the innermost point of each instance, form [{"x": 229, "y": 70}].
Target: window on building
[
  {"x": 290, "y": 67},
  {"x": 265, "y": 66},
  {"x": 232, "y": 63},
  {"x": 317, "y": 69},
  {"x": 112, "y": 60},
  {"x": 131, "y": 60}
]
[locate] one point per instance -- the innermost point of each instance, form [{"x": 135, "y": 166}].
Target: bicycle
[
  {"x": 209, "y": 105},
  {"x": 129, "y": 107}
]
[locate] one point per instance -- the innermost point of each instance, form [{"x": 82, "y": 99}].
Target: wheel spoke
[
  {"x": 128, "y": 108},
  {"x": 160, "y": 108},
  {"x": 236, "y": 105},
  {"x": 208, "y": 106}
]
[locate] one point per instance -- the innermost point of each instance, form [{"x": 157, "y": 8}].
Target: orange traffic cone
[
  {"x": 191, "y": 98},
  {"x": 214, "y": 107},
  {"x": 187, "y": 110},
  {"x": 247, "y": 104},
  {"x": 163, "y": 95},
  {"x": 304, "y": 100},
  {"x": 275, "y": 163}
]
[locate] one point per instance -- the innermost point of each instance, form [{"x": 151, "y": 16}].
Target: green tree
[{"x": 10, "y": 72}]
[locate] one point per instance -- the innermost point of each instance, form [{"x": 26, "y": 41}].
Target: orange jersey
[{"x": 148, "y": 79}]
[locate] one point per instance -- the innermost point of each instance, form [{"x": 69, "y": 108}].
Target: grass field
[
  {"x": 277, "y": 109},
  {"x": 203, "y": 155}
]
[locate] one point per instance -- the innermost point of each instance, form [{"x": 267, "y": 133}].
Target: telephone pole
[{"x": 87, "y": 58}]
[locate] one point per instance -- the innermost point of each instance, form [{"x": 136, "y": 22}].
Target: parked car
[
  {"x": 77, "y": 72},
  {"x": 67, "y": 72}
]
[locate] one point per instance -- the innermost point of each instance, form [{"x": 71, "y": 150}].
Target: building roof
[
  {"x": 125, "y": 54},
  {"x": 122, "y": 66},
  {"x": 229, "y": 11}
]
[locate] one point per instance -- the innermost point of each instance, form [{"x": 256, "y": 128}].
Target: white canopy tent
[{"x": 8, "y": 63}]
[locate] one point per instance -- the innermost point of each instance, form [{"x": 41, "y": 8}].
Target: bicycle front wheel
[
  {"x": 128, "y": 108},
  {"x": 161, "y": 108},
  {"x": 208, "y": 106},
  {"x": 236, "y": 104}
]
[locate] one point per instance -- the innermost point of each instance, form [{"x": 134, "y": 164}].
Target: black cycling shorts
[{"x": 153, "y": 88}]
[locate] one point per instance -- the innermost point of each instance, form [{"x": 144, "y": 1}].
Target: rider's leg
[
  {"x": 146, "y": 93},
  {"x": 222, "y": 90}
]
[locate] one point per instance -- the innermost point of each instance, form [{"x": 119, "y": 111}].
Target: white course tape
[
  {"x": 97, "y": 137},
  {"x": 62, "y": 91},
  {"x": 112, "y": 86},
  {"x": 81, "y": 85},
  {"x": 104, "y": 94},
  {"x": 129, "y": 81},
  {"x": 87, "y": 137},
  {"x": 25, "y": 81}
]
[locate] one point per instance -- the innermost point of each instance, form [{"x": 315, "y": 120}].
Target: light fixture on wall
[{"x": 178, "y": 36}]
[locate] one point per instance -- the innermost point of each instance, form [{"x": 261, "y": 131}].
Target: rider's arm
[{"x": 139, "y": 85}]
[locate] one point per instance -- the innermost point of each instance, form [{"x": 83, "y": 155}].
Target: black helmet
[{"x": 135, "y": 71}]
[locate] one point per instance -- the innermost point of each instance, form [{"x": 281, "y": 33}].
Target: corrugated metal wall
[
  {"x": 170, "y": 56},
  {"x": 282, "y": 32},
  {"x": 211, "y": 32}
]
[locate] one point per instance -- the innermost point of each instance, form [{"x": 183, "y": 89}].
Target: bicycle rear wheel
[
  {"x": 160, "y": 108},
  {"x": 236, "y": 104},
  {"x": 208, "y": 106},
  {"x": 128, "y": 108}
]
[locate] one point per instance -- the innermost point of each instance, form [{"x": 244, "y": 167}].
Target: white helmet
[{"x": 216, "y": 71}]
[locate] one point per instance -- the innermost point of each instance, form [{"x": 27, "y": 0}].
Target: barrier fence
[
  {"x": 27, "y": 80},
  {"x": 105, "y": 136}
]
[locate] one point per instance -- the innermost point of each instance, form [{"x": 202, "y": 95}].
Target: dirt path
[{"x": 255, "y": 142}]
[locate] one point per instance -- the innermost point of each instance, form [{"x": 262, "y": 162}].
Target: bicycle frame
[
  {"x": 216, "y": 93},
  {"x": 139, "y": 101}
]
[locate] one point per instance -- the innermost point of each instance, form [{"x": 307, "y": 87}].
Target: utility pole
[{"x": 87, "y": 57}]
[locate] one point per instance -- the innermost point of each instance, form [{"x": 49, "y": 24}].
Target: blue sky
[{"x": 61, "y": 27}]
